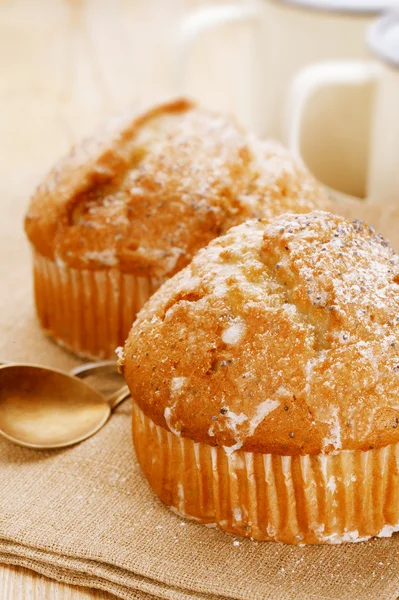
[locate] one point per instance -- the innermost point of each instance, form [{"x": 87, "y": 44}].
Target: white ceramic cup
[
  {"x": 381, "y": 124},
  {"x": 284, "y": 36}
]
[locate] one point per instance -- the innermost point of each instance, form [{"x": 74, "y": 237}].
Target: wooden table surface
[{"x": 66, "y": 65}]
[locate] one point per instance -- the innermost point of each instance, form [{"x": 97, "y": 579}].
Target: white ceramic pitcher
[
  {"x": 381, "y": 173},
  {"x": 283, "y": 37}
]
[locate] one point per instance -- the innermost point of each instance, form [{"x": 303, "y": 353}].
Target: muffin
[
  {"x": 265, "y": 379},
  {"x": 124, "y": 212}
]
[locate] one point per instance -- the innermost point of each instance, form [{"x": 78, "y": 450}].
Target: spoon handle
[
  {"x": 94, "y": 367},
  {"x": 118, "y": 397}
]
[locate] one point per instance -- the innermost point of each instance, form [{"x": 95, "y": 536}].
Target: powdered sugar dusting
[
  {"x": 120, "y": 354},
  {"x": 291, "y": 339},
  {"x": 104, "y": 257},
  {"x": 262, "y": 410},
  {"x": 234, "y": 333},
  {"x": 241, "y": 426},
  {"x": 233, "y": 421},
  {"x": 177, "y": 385},
  {"x": 168, "y": 418},
  {"x": 334, "y": 438},
  {"x": 180, "y": 170}
]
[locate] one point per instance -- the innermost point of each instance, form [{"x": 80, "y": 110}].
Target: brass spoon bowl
[{"x": 46, "y": 408}]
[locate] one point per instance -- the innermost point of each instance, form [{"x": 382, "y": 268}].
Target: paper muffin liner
[
  {"x": 90, "y": 312},
  {"x": 346, "y": 497}
]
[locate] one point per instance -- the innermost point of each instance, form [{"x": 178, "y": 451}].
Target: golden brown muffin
[
  {"x": 124, "y": 212},
  {"x": 265, "y": 379}
]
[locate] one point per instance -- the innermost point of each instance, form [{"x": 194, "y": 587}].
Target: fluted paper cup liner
[
  {"x": 90, "y": 312},
  {"x": 311, "y": 499}
]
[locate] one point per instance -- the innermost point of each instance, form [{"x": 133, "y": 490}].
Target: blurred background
[{"x": 66, "y": 65}]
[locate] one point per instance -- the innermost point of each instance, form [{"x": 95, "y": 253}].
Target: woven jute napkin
[{"x": 86, "y": 516}]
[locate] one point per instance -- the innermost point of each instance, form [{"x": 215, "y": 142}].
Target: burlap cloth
[{"x": 85, "y": 515}]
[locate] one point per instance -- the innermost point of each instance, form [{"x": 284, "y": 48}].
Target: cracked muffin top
[
  {"x": 281, "y": 336},
  {"x": 150, "y": 192}
]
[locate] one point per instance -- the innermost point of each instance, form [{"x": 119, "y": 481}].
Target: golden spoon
[{"x": 46, "y": 408}]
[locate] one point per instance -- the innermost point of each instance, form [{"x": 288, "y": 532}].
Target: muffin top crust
[
  {"x": 149, "y": 192},
  {"x": 281, "y": 336}
]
